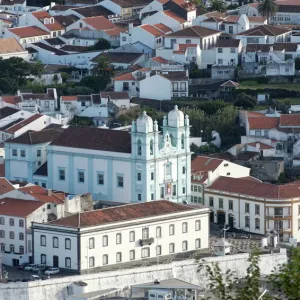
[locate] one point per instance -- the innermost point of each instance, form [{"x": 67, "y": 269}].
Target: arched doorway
[
  {"x": 221, "y": 216},
  {"x": 55, "y": 261}
]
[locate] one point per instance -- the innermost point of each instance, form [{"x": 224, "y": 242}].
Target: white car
[
  {"x": 29, "y": 267},
  {"x": 52, "y": 271}
]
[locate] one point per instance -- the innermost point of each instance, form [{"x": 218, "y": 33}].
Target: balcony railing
[
  {"x": 148, "y": 241},
  {"x": 179, "y": 90},
  {"x": 279, "y": 216}
]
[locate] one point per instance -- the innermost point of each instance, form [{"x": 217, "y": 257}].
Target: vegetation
[
  {"x": 102, "y": 68},
  {"x": 96, "y": 83},
  {"x": 81, "y": 121},
  {"x": 218, "y": 5},
  {"x": 245, "y": 101},
  {"x": 267, "y": 8},
  {"x": 102, "y": 44}
]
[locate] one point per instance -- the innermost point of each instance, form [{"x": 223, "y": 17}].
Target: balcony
[
  {"x": 179, "y": 90},
  {"x": 148, "y": 241},
  {"x": 286, "y": 216}
]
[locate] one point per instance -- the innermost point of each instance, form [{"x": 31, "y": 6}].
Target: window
[
  {"x": 158, "y": 250},
  {"x": 100, "y": 179},
  {"x": 105, "y": 241},
  {"x": 230, "y": 205},
  {"x": 11, "y": 235},
  {"x": 139, "y": 176},
  {"x": 257, "y": 208},
  {"x": 278, "y": 211},
  {"x": 46, "y": 104},
  {"x": 23, "y": 153},
  {"x": 182, "y": 141},
  {"x": 184, "y": 246},
  {"x": 82, "y": 103},
  {"x": 184, "y": 227},
  {"x": 232, "y": 50},
  {"x": 2, "y": 234},
  {"x": 92, "y": 262},
  {"x": 131, "y": 236},
  {"x": 171, "y": 248},
  {"x": 211, "y": 201},
  {"x": 68, "y": 262},
  {"x": 43, "y": 259},
  {"x": 12, "y": 248},
  {"x": 158, "y": 232},
  {"x": 120, "y": 181},
  {"x": 68, "y": 244},
  {"x": 132, "y": 255},
  {"x": 231, "y": 29},
  {"x": 168, "y": 169},
  {"x": 257, "y": 223},
  {"x": 188, "y": 41},
  {"x": 119, "y": 257},
  {"x": 220, "y": 61},
  {"x": 2, "y": 220},
  {"x": 151, "y": 147},
  {"x": 91, "y": 243},
  {"x": 105, "y": 259},
  {"x": 61, "y": 174},
  {"x": 183, "y": 190},
  {"x": 220, "y": 203},
  {"x": 247, "y": 221},
  {"x": 139, "y": 147},
  {"x": 11, "y": 222},
  {"x": 38, "y": 152},
  {"x": 81, "y": 176},
  {"x": 152, "y": 196},
  {"x": 55, "y": 242},
  {"x": 162, "y": 192},
  {"x": 145, "y": 233},
  {"x": 174, "y": 190},
  {"x": 220, "y": 50},
  {"x": 152, "y": 175},
  {"x": 145, "y": 252},
  {"x": 21, "y": 236},
  {"x": 14, "y": 152},
  {"x": 198, "y": 243},
  {"x": 198, "y": 225},
  {"x": 247, "y": 208},
  {"x": 171, "y": 230},
  {"x": 119, "y": 238},
  {"x": 43, "y": 240},
  {"x": 2, "y": 247},
  {"x": 48, "y": 206},
  {"x": 183, "y": 170}
]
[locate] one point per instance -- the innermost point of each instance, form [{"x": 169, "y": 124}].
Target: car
[
  {"x": 35, "y": 277},
  {"x": 29, "y": 267},
  {"x": 52, "y": 271},
  {"x": 22, "y": 266},
  {"x": 38, "y": 268}
]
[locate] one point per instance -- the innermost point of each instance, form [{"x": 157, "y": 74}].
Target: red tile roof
[
  {"x": 41, "y": 14},
  {"x": 256, "y": 189},
  {"x": 265, "y": 30},
  {"x": 115, "y": 32},
  {"x": 290, "y": 120},
  {"x": 5, "y": 185},
  {"x": 262, "y": 146},
  {"x": 254, "y": 114},
  {"x": 18, "y": 208},
  {"x": 152, "y": 30},
  {"x": 99, "y": 23},
  {"x": 23, "y": 123},
  {"x": 28, "y": 31},
  {"x": 122, "y": 213},
  {"x": 257, "y": 19},
  {"x": 162, "y": 27},
  {"x": 205, "y": 164},
  {"x": 124, "y": 77},
  {"x": 182, "y": 48},
  {"x": 263, "y": 122},
  {"x": 41, "y": 194},
  {"x": 174, "y": 16},
  {"x": 11, "y": 99},
  {"x": 160, "y": 59},
  {"x": 68, "y": 98}
]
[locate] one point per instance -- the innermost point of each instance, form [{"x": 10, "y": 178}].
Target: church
[{"x": 148, "y": 163}]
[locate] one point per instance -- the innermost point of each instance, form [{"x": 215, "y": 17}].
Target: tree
[
  {"x": 267, "y": 8},
  {"x": 285, "y": 281},
  {"x": 218, "y": 5},
  {"x": 96, "y": 83},
  {"x": 102, "y": 67},
  {"x": 102, "y": 44},
  {"x": 245, "y": 101}
]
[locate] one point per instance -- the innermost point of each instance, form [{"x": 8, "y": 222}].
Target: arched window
[
  {"x": 197, "y": 225},
  {"x": 171, "y": 229},
  {"x": 139, "y": 147},
  {"x": 184, "y": 227},
  {"x": 68, "y": 262},
  {"x": 2, "y": 221},
  {"x": 2, "y": 234},
  {"x": 92, "y": 262},
  {"x": 182, "y": 141},
  {"x": 43, "y": 259},
  {"x": 21, "y": 223},
  {"x": 198, "y": 243},
  {"x": 119, "y": 257},
  {"x": 184, "y": 246},
  {"x": 171, "y": 248},
  {"x": 105, "y": 241},
  {"x": 55, "y": 242},
  {"x": 158, "y": 232},
  {"x": 145, "y": 233},
  {"x": 11, "y": 222},
  {"x": 151, "y": 147},
  {"x": 132, "y": 255},
  {"x": 11, "y": 235},
  {"x": 21, "y": 236},
  {"x": 131, "y": 236},
  {"x": 91, "y": 243},
  {"x": 168, "y": 169},
  {"x": 118, "y": 238},
  {"x": 43, "y": 240},
  {"x": 105, "y": 259},
  {"x": 68, "y": 244}
]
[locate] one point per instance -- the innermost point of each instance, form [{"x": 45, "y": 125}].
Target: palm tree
[
  {"x": 218, "y": 5},
  {"x": 267, "y": 8},
  {"x": 102, "y": 67}
]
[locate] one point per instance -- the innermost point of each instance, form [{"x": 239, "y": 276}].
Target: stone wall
[{"x": 58, "y": 288}]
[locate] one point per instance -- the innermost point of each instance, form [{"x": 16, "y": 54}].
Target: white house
[
  {"x": 17, "y": 6},
  {"x": 228, "y": 52},
  {"x": 27, "y": 34},
  {"x": 168, "y": 85},
  {"x": 10, "y": 47},
  {"x": 152, "y": 7},
  {"x": 86, "y": 242},
  {"x": 265, "y": 34}
]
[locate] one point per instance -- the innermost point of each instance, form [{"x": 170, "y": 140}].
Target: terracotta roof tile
[
  {"x": 160, "y": 59},
  {"x": 5, "y": 186},
  {"x": 23, "y": 123},
  {"x": 228, "y": 43},
  {"x": 7, "y": 111},
  {"x": 41, "y": 14},
  {"x": 174, "y": 16},
  {"x": 115, "y": 32},
  {"x": 162, "y": 27},
  {"x": 28, "y": 31},
  {"x": 183, "y": 47},
  {"x": 18, "y": 208},
  {"x": 93, "y": 11},
  {"x": 265, "y": 30},
  {"x": 68, "y": 98},
  {"x": 124, "y": 77},
  {"x": 257, "y": 19},
  {"x": 12, "y": 99},
  {"x": 263, "y": 122},
  {"x": 122, "y": 213},
  {"x": 205, "y": 164},
  {"x": 152, "y": 30},
  {"x": 10, "y": 45},
  {"x": 261, "y": 146},
  {"x": 194, "y": 31},
  {"x": 290, "y": 120},
  {"x": 99, "y": 23},
  {"x": 114, "y": 95}
]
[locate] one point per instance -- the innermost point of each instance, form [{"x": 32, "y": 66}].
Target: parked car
[
  {"x": 22, "y": 266},
  {"x": 39, "y": 268},
  {"x": 35, "y": 277},
  {"x": 52, "y": 271},
  {"x": 29, "y": 267}
]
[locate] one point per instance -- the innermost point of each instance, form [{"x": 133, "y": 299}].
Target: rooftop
[
  {"x": 290, "y": 120},
  {"x": 28, "y": 31},
  {"x": 5, "y": 186},
  {"x": 18, "y": 208},
  {"x": 99, "y": 23},
  {"x": 23, "y": 123},
  {"x": 174, "y": 16},
  {"x": 119, "y": 57},
  {"x": 122, "y": 213},
  {"x": 7, "y": 111},
  {"x": 93, "y": 11},
  {"x": 10, "y": 45},
  {"x": 152, "y": 30},
  {"x": 131, "y": 3},
  {"x": 263, "y": 122},
  {"x": 114, "y": 95},
  {"x": 226, "y": 43},
  {"x": 194, "y": 31},
  {"x": 205, "y": 164},
  {"x": 168, "y": 284},
  {"x": 265, "y": 30},
  {"x": 99, "y": 139}
]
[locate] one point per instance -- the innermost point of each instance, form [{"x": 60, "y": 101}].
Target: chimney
[{"x": 49, "y": 192}]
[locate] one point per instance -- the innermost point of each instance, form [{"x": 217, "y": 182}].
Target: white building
[
  {"x": 10, "y": 47},
  {"x": 88, "y": 241},
  {"x": 228, "y": 52},
  {"x": 27, "y": 34}
]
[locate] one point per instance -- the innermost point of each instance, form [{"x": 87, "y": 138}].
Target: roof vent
[{"x": 156, "y": 281}]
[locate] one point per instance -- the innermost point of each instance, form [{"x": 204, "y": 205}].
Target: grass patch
[
  {"x": 189, "y": 102},
  {"x": 291, "y": 101},
  {"x": 253, "y": 85}
]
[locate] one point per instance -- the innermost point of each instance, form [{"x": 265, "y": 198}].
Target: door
[
  {"x": 221, "y": 217},
  {"x": 231, "y": 222},
  {"x": 212, "y": 217},
  {"x": 15, "y": 262},
  {"x": 55, "y": 261}
]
